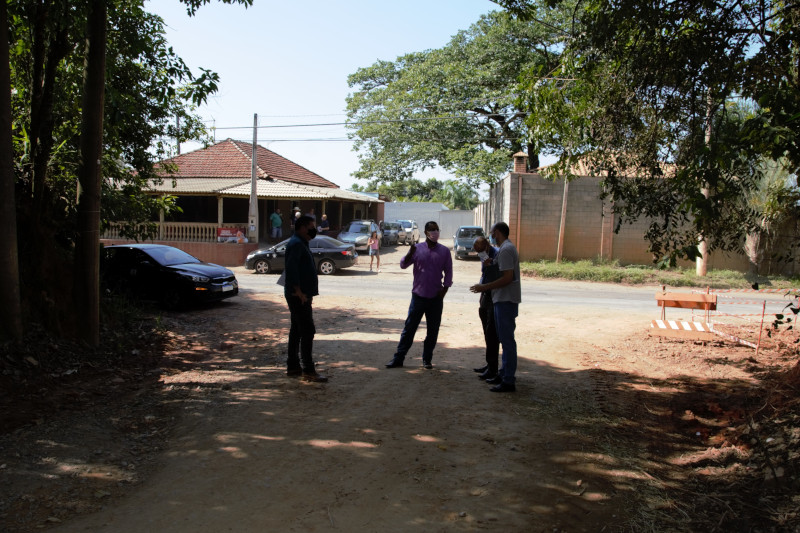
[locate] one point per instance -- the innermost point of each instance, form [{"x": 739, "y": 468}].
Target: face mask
[
  {"x": 434, "y": 235},
  {"x": 312, "y": 232}
]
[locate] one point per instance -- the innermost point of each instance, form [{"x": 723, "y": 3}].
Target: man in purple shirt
[{"x": 433, "y": 275}]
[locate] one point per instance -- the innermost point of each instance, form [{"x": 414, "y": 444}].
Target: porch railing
[{"x": 179, "y": 231}]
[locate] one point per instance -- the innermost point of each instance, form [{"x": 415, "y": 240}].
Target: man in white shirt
[{"x": 506, "y": 297}]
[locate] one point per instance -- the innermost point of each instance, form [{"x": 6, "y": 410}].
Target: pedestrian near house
[
  {"x": 295, "y": 216},
  {"x": 324, "y": 225},
  {"x": 374, "y": 245},
  {"x": 489, "y": 273},
  {"x": 506, "y": 297},
  {"x": 312, "y": 216},
  {"x": 276, "y": 221},
  {"x": 301, "y": 285},
  {"x": 433, "y": 276}
]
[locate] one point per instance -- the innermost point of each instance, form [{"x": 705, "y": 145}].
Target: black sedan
[
  {"x": 329, "y": 254},
  {"x": 165, "y": 274}
]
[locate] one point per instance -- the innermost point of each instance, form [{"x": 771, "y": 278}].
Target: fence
[
  {"x": 179, "y": 231},
  {"x": 741, "y": 314}
]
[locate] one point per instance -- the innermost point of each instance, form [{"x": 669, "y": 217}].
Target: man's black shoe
[
  {"x": 504, "y": 387},
  {"x": 487, "y": 375},
  {"x": 314, "y": 377},
  {"x": 427, "y": 365},
  {"x": 294, "y": 372},
  {"x": 496, "y": 380},
  {"x": 482, "y": 369},
  {"x": 394, "y": 363}
]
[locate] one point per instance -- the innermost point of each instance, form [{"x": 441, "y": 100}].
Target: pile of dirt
[{"x": 723, "y": 434}]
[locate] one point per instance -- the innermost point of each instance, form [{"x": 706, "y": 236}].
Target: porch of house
[
  {"x": 217, "y": 242},
  {"x": 199, "y": 239}
]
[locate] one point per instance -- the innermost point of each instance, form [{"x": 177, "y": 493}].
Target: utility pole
[{"x": 252, "y": 230}]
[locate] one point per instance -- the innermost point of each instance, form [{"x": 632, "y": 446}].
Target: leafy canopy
[
  {"x": 454, "y": 194},
  {"x": 455, "y": 107},
  {"x": 643, "y": 93}
]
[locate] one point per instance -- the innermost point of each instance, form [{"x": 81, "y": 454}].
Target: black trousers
[
  {"x": 486, "y": 312},
  {"x": 301, "y": 335}
]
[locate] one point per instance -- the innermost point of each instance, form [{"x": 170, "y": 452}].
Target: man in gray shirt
[{"x": 506, "y": 297}]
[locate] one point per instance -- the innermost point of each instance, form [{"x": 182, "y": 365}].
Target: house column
[
  {"x": 160, "y": 224},
  {"x": 220, "y": 217}
]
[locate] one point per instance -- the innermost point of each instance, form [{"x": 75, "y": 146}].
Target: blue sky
[{"x": 289, "y": 61}]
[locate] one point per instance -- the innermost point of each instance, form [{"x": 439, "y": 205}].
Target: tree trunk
[
  {"x": 752, "y": 247},
  {"x": 87, "y": 253},
  {"x": 10, "y": 308}
]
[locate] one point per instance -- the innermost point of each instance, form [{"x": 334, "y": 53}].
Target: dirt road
[{"x": 375, "y": 449}]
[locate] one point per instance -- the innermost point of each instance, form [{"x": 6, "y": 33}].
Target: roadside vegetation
[{"x": 612, "y": 272}]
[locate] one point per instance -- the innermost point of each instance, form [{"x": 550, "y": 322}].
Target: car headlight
[
  {"x": 197, "y": 278},
  {"x": 361, "y": 240},
  {"x": 460, "y": 248}
]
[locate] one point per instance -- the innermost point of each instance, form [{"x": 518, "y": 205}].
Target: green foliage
[
  {"x": 454, "y": 107},
  {"x": 147, "y": 87},
  {"x": 643, "y": 93},
  {"x": 452, "y": 193}
]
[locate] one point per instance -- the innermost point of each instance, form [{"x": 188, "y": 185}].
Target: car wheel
[
  {"x": 326, "y": 267},
  {"x": 262, "y": 267}
]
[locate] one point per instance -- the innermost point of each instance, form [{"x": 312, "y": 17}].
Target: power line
[{"x": 358, "y": 123}]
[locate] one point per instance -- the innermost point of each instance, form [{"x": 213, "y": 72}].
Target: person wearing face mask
[
  {"x": 506, "y": 297},
  {"x": 300, "y": 287},
  {"x": 433, "y": 275}
]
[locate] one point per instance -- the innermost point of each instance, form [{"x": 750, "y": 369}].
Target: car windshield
[
  {"x": 405, "y": 223},
  {"x": 469, "y": 233},
  {"x": 392, "y": 225},
  {"x": 168, "y": 255},
  {"x": 358, "y": 228}
]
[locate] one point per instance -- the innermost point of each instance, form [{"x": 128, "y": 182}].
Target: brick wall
[{"x": 589, "y": 225}]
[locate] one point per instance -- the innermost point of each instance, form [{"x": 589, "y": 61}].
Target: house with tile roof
[{"x": 213, "y": 188}]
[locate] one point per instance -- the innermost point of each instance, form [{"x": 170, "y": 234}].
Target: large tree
[
  {"x": 146, "y": 86},
  {"x": 455, "y": 194},
  {"x": 10, "y": 306},
  {"x": 455, "y": 107},
  {"x": 642, "y": 94}
]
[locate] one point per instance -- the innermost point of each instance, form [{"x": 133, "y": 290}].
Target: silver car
[
  {"x": 393, "y": 233},
  {"x": 357, "y": 233},
  {"x": 412, "y": 231}
]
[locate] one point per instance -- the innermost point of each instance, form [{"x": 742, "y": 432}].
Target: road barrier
[
  {"x": 718, "y": 319},
  {"x": 694, "y": 330}
]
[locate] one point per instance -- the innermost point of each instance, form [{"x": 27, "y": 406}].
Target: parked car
[
  {"x": 393, "y": 233},
  {"x": 412, "y": 231},
  {"x": 464, "y": 239},
  {"x": 357, "y": 233},
  {"x": 164, "y": 274},
  {"x": 329, "y": 255}
]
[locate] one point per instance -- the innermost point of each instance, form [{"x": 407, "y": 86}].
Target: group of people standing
[
  {"x": 499, "y": 289},
  {"x": 276, "y": 222}
]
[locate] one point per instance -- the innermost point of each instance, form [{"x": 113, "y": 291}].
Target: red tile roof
[{"x": 233, "y": 159}]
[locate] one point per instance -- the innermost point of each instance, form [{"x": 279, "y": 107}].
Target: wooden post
[
  {"x": 761, "y": 328},
  {"x": 562, "y": 226}
]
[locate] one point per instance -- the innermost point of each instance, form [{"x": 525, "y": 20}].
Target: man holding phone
[
  {"x": 506, "y": 297},
  {"x": 489, "y": 273},
  {"x": 433, "y": 275}
]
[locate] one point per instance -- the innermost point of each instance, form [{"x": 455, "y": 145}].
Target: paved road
[{"x": 394, "y": 283}]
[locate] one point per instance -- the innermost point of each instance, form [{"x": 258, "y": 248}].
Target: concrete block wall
[{"x": 590, "y": 223}]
